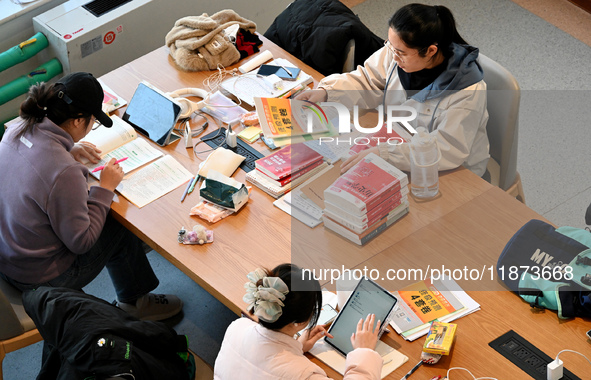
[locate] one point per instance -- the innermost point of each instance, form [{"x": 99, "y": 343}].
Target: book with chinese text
[
  {"x": 370, "y": 233},
  {"x": 287, "y": 161},
  {"x": 283, "y": 117},
  {"x": 287, "y": 179},
  {"x": 372, "y": 215},
  {"x": 264, "y": 183},
  {"x": 371, "y": 181},
  {"x": 359, "y": 228},
  {"x": 425, "y": 301}
]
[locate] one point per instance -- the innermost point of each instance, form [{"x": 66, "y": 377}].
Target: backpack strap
[{"x": 527, "y": 293}]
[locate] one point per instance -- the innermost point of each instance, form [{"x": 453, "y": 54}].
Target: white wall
[{"x": 14, "y": 31}]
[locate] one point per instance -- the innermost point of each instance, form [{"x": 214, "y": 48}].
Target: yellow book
[{"x": 440, "y": 338}]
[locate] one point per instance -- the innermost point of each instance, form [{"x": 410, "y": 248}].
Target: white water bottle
[{"x": 424, "y": 164}]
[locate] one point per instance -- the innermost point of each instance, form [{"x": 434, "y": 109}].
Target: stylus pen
[
  {"x": 187, "y": 189},
  {"x": 288, "y": 72},
  {"x": 99, "y": 168},
  {"x": 412, "y": 370}
]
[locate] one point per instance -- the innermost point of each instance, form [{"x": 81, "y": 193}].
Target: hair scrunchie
[{"x": 266, "y": 299}]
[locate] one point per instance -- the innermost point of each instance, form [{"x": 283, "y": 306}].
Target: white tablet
[{"x": 367, "y": 298}]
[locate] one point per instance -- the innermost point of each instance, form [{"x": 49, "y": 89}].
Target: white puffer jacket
[{"x": 452, "y": 108}]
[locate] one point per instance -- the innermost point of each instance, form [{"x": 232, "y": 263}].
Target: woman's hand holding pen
[
  {"x": 111, "y": 175},
  {"x": 310, "y": 337},
  {"x": 85, "y": 150},
  {"x": 315, "y": 96}
]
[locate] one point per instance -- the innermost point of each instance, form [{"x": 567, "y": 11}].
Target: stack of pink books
[
  {"x": 279, "y": 172},
  {"x": 366, "y": 200}
]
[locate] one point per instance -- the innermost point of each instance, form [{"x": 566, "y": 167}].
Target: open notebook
[{"x": 145, "y": 180}]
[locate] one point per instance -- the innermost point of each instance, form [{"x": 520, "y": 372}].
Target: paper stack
[{"x": 366, "y": 200}]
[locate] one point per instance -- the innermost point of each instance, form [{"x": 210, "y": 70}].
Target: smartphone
[
  {"x": 589, "y": 334},
  {"x": 327, "y": 315},
  {"x": 285, "y": 73}
]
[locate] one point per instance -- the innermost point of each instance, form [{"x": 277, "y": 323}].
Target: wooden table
[{"x": 469, "y": 222}]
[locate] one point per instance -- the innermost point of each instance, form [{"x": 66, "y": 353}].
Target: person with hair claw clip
[
  {"x": 54, "y": 231},
  {"x": 285, "y": 303},
  {"x": 425, "y": 64}
]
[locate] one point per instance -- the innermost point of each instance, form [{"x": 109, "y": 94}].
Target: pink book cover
[
  {"x": 287, "y": 160},
  {"x": 366, "y": 184}
]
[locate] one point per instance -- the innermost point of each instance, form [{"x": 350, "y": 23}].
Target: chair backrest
[
  {"x": 503, "y": 97},
  {"x": 15, "y": 320},
  {"x": 349, "y": 57}
]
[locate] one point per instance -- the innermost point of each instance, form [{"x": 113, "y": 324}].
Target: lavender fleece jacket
[{"x": 47, "y": 214}]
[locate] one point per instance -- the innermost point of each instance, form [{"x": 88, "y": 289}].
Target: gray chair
[
  {"x": 503, "y": 97},
  {"x": 17, "y": 329}
]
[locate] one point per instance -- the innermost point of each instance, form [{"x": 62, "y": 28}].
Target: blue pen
[
  {"x": 187, "y": 189},
  {"x": 412, "y": 370}
]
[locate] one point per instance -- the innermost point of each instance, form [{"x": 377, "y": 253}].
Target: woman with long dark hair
[{"x": 424, "y": 64}]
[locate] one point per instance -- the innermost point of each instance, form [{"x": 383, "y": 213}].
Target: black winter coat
[
  {"x": 317, "y": 32},
  {"x": 86, "y": 337}
]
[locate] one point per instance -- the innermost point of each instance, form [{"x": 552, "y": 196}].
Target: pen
[
  {"x": 187, "y": 189},
  {"x": 99, "y": 168},
  {"x": 436, "y": 377},
  {"x": 412, "y": 370},
  {"x": 286, "y": 70},
  {"x": 193, "y": 183}
]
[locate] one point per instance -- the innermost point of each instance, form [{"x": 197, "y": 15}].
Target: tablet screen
[
  {"x": 152, "y": 113},
  {"x": 367, "y": 298}
]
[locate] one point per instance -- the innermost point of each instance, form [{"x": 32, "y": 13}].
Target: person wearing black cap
[{"x": 53, "y": 230}]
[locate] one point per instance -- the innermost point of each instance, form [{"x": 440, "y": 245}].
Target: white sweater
[
  {"x": 457, "y": 118},
  {"x": 251, "y": 351}
]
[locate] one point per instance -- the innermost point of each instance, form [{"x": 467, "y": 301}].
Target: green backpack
[{"x": 549, "y": 268}]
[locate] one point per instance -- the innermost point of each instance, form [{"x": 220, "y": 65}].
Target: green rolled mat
[
  {"x": 18, "y": 54},
  {"x": 21, "y": 85}
]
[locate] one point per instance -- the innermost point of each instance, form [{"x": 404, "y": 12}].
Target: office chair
[
  {"x": 17, "y": 329},
  {"x": 503, "y": 97}
]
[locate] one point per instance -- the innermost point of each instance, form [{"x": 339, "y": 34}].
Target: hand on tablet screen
[{"x": 366, "y": 335}]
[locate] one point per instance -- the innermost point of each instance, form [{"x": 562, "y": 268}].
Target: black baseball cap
[{"x": 83, "y": 91}]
